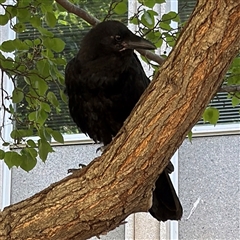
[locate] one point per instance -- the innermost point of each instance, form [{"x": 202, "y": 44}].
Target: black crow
[{"x": 103, "y": 83}]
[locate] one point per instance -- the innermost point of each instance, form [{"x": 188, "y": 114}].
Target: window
[{"x": 71, "y": 29}]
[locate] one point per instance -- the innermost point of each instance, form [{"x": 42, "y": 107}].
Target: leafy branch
[{"x": 70, "y": 7}]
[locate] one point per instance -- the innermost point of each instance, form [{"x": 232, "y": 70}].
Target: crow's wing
[{"x": 102, "y": 94}]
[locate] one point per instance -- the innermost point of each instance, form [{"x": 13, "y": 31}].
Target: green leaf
[
  {"x": 4, "y": 19},
  {"x": 170, "y": 41},
  {"x": 45, "y": 32},
  {"x": 59, "y": 61},
  {"x": 52, "y": 99},
  {"x": 174, "y": 16},
  {"x": 11, "y": 108},
  {"x": 20, "y": 45},
  {"x": 148, "y": 19},
  {"x": 41, "y": 84},
  {"x": 46, "y": 107},
  {"x": 36, "y": 21},
  {"x": 23, "y": 14},
  {"x": 165, "y": 26},
  {"x": 166, "y": 18},
  {"x": 2, "y": 154},
  {"x": 48, "y": 53},
  {"x": 22, "y": 4},
  {"x": 46, "y": 6},
  {"x": 152, "y": 12},
  {"x": 134, "y": 20},
  {"x": 17, "y": 95},
  {"x": 32, "y": 116},
  {"x": 41, "y": 116},
  {"x": 58, "y": 45},
  {"x": 37, "y": 41},
  {"x": 31, "y": 143},
  {"x": 60, "y": 8},
  {"x": 19, "y": 27},
  {"x": 190, "y": 136},
  {"x": 211, "y": 115},
  {"x": 153, "y": 36},
  {"x": 18, "y": 134},
  {"x": 43, "y": 67},
  {"x": 28, "y": 163},
  {"x": 147, "y": 3},
  {"x": 235, "y": 101},
  {"x": 57, "y": 136},
  {"x": 7, "y": 64},
  {"x": 29, "y": 159},
  {"x": 44, "y": 133},
  {"x": 12, "y": 158},
  {"x": 120, "y": 8},
  {"x": 159, "y": 43},
  {"x": 44, "y": 149},
  {"x": 8, "y": 46},
  {"x": 15, "y": 134},
  {"x": 32, "y": 152},
  {"x": 50, "y": 19},
  {"x": 25, "y": 132},
  {"x": 63, "y": 96},
  {"x": 12, "y": 11},
  {"x": 5, "y": 144}
]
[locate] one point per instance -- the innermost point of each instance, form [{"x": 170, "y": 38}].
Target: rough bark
[{"x": 99, "y": 197}]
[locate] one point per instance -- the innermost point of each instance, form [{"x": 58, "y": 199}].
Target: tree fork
[{"x": 99, "y": 197}]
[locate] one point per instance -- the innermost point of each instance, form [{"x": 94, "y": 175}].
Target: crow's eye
[{"x": 118, "y": 38}]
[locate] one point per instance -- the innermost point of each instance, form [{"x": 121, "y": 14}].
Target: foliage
[
  {"x": 233, "y": 78},
  {"x": 34, "y": 62}
]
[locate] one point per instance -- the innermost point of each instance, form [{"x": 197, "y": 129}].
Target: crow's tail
[{"x": 166, "y": 205}]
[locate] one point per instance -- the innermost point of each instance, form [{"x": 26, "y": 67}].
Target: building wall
[
  {"x": 208, "y": 170},
  {"x": 209, "y": 176}
]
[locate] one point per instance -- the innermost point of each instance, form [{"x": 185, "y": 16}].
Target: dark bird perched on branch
[{"x": 103, "y": 83}]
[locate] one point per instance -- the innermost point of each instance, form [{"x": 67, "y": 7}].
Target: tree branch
[
  {"x": 229, "y": 89},
  {"x": 93, "y": 21},
  {"x": 151, "y": 56},
  {"x": 99, "y": 197},
  {"x": 71, "y": 8}
]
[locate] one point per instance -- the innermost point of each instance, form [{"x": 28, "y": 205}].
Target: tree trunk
[{"x": 99, "y": 197}]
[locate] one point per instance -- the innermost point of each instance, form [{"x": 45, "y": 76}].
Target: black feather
[{"x": 103, "y": 83}]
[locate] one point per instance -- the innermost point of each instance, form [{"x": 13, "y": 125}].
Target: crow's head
[{"x": 113, "y": 37}]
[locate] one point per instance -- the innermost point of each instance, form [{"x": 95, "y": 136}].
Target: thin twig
[
  {"x": 232, "y": 88},
  {"x": 71, "y": 8}
]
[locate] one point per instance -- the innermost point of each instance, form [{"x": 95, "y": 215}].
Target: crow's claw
[
  {"x": 72, "y": 170},
  {"x": 102, "y": 148},
  {"x": 81, "y": 165}
]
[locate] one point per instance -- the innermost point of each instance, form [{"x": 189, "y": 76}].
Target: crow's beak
[{"x": 136, "y": 42}]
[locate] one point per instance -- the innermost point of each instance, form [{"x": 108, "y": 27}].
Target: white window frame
[{"x": 4, "y": 118}]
